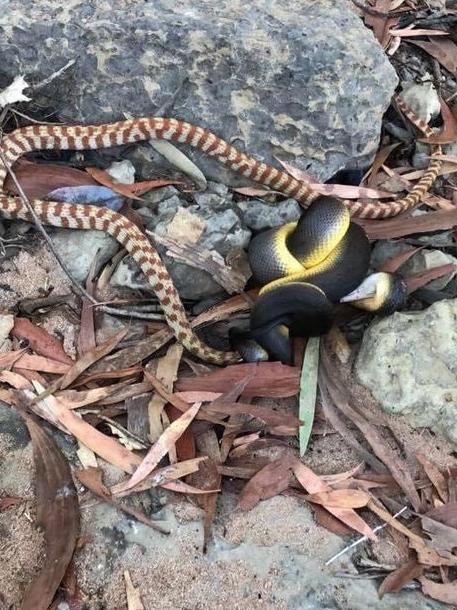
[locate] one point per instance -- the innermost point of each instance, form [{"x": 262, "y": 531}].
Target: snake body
[{"x": 76, "y": 216}]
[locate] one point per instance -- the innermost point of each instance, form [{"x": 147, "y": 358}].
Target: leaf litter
[{"x": 200, "y": 437}]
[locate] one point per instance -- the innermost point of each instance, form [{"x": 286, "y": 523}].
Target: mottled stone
[
  {"x": 408, "y": 361},
  {"x": 304, "y": 81}
]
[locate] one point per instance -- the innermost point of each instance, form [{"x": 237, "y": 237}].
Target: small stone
[
  {"x": 78, "y": 249},
  {"x": 159, "y": 195},
  {"x": 421, "y": 261},
  {"x": 122, "y": 171},
  {"x": 258, "y": 215},
  {"x": 211, "y": 201},
  {"x": 423, "y": 99},
  {"x": 219, "y": 189}
]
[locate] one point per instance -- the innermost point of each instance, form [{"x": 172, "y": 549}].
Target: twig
[{"x": 363, "y": 538}]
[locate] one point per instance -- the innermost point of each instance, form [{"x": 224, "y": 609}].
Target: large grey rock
[
  {"x": 409, "y": 362},
  {"x": 303, "y": 80}
]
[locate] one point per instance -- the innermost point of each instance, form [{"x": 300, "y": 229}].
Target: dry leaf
[
  {"x": 160, "y": 448},
  {"x": 101, "y": 176},
  {"x": 446, "y": 593},
  {"x": 57, "y": 514},
  {"x": 133, "y": 595},
  {"x": 39, "y": 179},
  {"x": 92, "y": 479},
  {"x": 393, "y": 264},
  {"x": 207, "y": 477},
  {"x": 9, "y": 501},
  {"x": 396, "y": 580},
  {"x": 89, "y": 358},
  {"x": 435, "y": 475},
  {"x": 340, "y": 498},
  {"x": 268, "y": 379},
  {"x": 15, "y": 380},
  {"x": 445, "y": 51},
  {"x": 42, "y": 342},
  {"x": 313, "y": 484},
  {"x": 413, "y": 31},
  {"x": 266, "y": 483},
  {"x": 407, "y": 225},
  {"x": 417, "y": 280}
]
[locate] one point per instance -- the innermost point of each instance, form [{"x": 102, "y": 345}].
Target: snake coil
[{"x": 306, "y": 267}]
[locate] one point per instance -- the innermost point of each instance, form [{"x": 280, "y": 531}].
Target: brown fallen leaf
[
  {"x": 340, "y": 498},
  {"x": 422, "y": 278},
  {"x": 269, "y": 379},
  {"x": 34, "y": 363},
  {"x": 42, "y": 342},
  {"x": 413, "y": 31},
  {"x": 15, "y": 380},
  {"x": 381, "y": 157},
  {"x": 446, "y": 514},
  {"x": 160, "y": 448},
  {"x": 208, "y": 477},
  {"x": 8, "y": 359},
  {"x": 396, "y": 580},
  {"x": 86, "y": 336},
  {"x": 9, "y": 501},
  {"x": 446, "y": 593},
  {"x": 280, "y": 423},
  {"x": 331, "y": 523},
  {"x": 445, "y": 51},
  {"x": 92, "y": 478},
  {"x": 39, "y": 179},
  {"x": 269, "y": 481},
  {"x": 165, "y": 475},
  {"x": 133, "y": 595},
  {"x": 89, "y": 358},
  {"x": 407, "y": 225},
  {"x": 101, "y": 176},
  {"x": 140, "y": 188},
  {"x": 57, "y": 514},
  {"x": 393, "y": 264},
  {"x": 313, "y": 484},
  {"x": 435, "y": 475},
  {"x": 166, "y": 372}
]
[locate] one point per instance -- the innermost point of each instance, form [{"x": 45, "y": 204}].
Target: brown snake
[{"x": 78, "y": 137}]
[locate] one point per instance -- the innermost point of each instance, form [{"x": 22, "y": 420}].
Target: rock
[
  {"x": 422, "y": 98},
  {"x": 79, "y": 248},
  {"x": 421, "y": 261},
  {"x": 305, "y": 81},
  {"x": 212, "y": 225},
  {"x": 122, "y": 171},
  {"x": 408, "y": 362},
  {"x": 258, "y": 215},
  {"x": 159, "y": 195},
  {"x": 6, "y": 325}
]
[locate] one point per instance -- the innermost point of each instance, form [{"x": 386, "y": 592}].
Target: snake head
[{"x": 382, "y": 293}]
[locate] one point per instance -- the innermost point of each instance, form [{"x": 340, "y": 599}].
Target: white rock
[
  {"x": 122, "y": 171},
  {"x": 409, "y": 363},
  {"x": 422, "y": 99}
]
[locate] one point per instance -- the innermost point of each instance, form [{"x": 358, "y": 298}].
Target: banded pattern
[{"x": 79, "y": 137}]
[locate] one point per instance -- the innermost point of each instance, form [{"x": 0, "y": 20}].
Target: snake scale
[{"x": 77, "y": 216}]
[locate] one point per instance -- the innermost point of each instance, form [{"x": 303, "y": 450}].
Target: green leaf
[{"x": 308, "y": 391}]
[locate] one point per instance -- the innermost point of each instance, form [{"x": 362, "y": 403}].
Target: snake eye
[{"x": 382, "y": 293}]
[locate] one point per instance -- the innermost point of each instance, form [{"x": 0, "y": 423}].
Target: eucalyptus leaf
[{"x": 308, "y": 392}]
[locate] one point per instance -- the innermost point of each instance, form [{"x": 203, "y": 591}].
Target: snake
[{"x": 80, "y": 216}]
